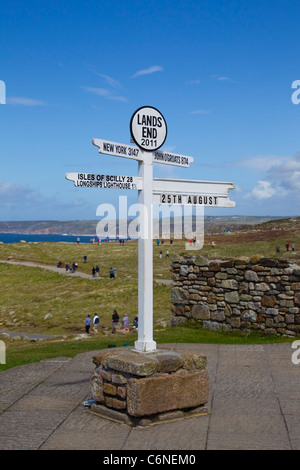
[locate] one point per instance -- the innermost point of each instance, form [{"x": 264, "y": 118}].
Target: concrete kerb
[{"x": 253, "y": 404}]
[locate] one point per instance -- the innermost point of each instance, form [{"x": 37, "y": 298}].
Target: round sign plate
[{"x": 148, "y": 128}]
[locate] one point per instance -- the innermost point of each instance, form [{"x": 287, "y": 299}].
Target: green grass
[
  {"x": 20, "y": 352},
  {"x": 28, "y": 294}
]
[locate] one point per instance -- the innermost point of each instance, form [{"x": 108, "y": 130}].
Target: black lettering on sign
[
  {"x": 149, "y": 132},
  {"x": 149, "y": 121},
  {"x": 184, "y": 161},
  {"x": 86, "y": 176},
  {"x": 202, "y": 200},
  {"x": 133, "y": 151},
  {"x": 189, "y": 199},
  {"x": 121, "y": 149},
  {"x": 171, "y": 199},
  {"x": 108, "y": 147}
]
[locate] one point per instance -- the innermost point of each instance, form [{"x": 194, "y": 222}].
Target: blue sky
[{"x": 220, "y": 72}]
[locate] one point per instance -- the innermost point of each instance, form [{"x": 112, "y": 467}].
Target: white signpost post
[{"x": 149, "y": 130}]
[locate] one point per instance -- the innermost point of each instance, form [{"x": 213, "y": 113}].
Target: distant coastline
[
  {"x": 88, "y": 227},
  {"x": 51, "y": 227},
  {"x": 69, "y": 231}
]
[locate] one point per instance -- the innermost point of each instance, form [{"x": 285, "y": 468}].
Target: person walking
[
  {"x": 96, "y": 323},
  {"x": 112, "y": 273},
  {"x": 115, "y": 321},
  {"x": 88, "y": 322},
  {"x": 125, "y": 322},
  {"x": 287, "y": 245},
  {"x": 115, "y": 318}
]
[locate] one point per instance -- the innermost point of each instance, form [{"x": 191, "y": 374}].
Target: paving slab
[{"x": 253, "y": 404}]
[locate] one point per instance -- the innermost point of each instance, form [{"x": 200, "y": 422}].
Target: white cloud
[
  {"x": 221, "y": 78},
  {"x": 263, "y": 162},
  {"x": 263, "y": 190},
  {"x": 283, "y": 172},
  {"x": 288, "y": 173},
  {"x": 17, "y": 199},
  {"x": 109, "y": 80},
  {"x": 17, "y": 100},
  {"x": 152, "y": 69},
  {"x": 281, "y": 177},
  {"x": 108, "y": 94},
  {"x": 11, "y": 193}
]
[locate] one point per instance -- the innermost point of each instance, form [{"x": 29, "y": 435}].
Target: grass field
[{"x": 36, "y": 300}]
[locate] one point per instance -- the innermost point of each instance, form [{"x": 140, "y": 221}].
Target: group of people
[
  {"x": 125, "y": 322},
  {"x": 162, "y": 242},
  {"x": 287, "y": 247},
  {"x": 70, "y": 267},
  {"x": 112, "y": 272},
  {"x": 115, "y": 322},
  {"x": 95, "y": 271},
  {"x": 95, "y": 323},
  {"x": 92, "y": 240}
]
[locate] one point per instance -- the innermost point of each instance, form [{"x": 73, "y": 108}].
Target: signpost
[
  {"x": 92, "y": 180},
  {"x": 192, "y": 192},
  {"x": 149, "y": 130},
  {"x": 118, "y": 150},
  {"x": 128, "y": 151}
]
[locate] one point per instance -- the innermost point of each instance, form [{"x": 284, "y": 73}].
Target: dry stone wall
[{"x": 238, "y": 294}]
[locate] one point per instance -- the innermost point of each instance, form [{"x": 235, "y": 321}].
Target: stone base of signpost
[{"x": 141, "y": 389}]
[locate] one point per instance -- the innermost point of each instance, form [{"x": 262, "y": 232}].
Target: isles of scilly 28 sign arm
[{"x": 149, "y": 130}]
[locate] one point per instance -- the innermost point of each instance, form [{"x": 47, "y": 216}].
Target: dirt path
[
  {"x": 50, "y": 268},
  {"x": 66, "y": 273}
]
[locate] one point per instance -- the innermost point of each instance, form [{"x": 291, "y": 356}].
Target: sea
[{"x": 31, "y": 238}]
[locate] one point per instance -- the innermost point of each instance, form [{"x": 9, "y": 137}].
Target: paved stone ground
[{"x": 254, "y": 404}]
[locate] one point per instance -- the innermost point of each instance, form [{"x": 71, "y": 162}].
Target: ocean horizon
[{"x": 35, "y": 238}]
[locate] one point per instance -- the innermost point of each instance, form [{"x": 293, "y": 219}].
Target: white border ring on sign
[{"x": 151, "y": 139}]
